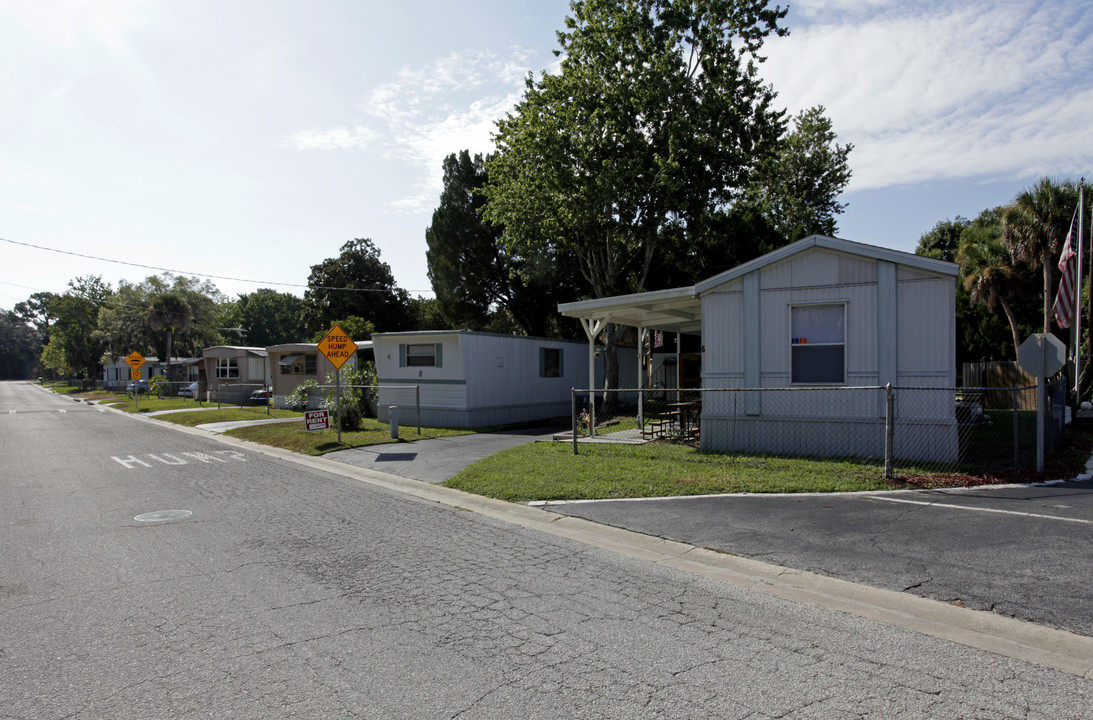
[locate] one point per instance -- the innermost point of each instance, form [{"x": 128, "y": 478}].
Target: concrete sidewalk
[{"x": 439, "y": 459}]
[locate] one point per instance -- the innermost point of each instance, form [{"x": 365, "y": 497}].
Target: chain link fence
[
  {"x": 903, "y": 430},
  {"x": 406, "y": 399}
]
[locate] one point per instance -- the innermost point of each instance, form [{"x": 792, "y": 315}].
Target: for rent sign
[{"x": 316, "y": 420}]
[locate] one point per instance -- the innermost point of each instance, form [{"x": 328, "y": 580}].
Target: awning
[{"x": 675, "y": 310}]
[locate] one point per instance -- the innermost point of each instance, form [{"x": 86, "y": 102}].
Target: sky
[{"x": 243, "y": 141}]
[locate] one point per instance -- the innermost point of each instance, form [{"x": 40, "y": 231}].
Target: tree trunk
[
  {"x": 1013, "y": 325},
  {"x": 170, "y": 344},
  {"x": 1046, "y": 259},
  {"x": 610, "y": 369}
]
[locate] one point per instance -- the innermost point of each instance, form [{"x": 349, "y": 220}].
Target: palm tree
[
  {"x": 1035, "y": 226},
  {"x": 170, "y": 311},
  {"x": 990, "y": 277}
]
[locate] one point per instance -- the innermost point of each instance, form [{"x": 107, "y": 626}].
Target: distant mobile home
[
  {"x": 116, "y": 375},
  {"x": 233, "y": 372},
  {"x": 292, "y": 364},
  {"x": 477, "y": 379},
  {"x": 821, "y": 314}
]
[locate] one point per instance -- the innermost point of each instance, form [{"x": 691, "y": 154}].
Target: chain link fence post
[{"x": 889, "y": 429}]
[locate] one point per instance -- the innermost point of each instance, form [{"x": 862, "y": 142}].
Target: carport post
[
  {"x": 643, "y": 333},
  {"x": 889, "y": 429},
  {"x": 417, "y": 404}
]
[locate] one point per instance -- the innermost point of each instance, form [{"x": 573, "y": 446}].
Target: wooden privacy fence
[{"x": 1000, "y": 374}]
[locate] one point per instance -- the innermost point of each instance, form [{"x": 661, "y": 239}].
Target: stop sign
[{"x": 1053, "y": 354}]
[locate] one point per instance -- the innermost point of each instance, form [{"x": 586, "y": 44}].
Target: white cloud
[
  {"x": 339, "y": 138},
  {"x": 64, "y": 24},
  {"x": 955, "y": 91},
  {"x": 429, "y": 112}
]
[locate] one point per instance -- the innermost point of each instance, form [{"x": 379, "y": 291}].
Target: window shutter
[
  {"x": 439, "y": 355},
  {"x": 402, "y": 354},
  {"x": 542, "y": 362},
  {"x": 561, "y": 362}
]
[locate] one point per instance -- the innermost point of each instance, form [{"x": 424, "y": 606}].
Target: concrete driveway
[
  {"x": 1022, "y": 551},
  {"x": 440, "y": 459}
]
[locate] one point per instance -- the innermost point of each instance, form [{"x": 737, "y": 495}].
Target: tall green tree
[
  {"x": 170, "y": 313},
  {"x": 1035, "y": 227},
  {"x": 74, "y": 347},
  {"x": 473, "y": 273},
  {"x": 125, "y": 323},
  {"x": 990, "y": 275},
  {"x": 943, "y": 241},
  {"x": 654, "y": 122},
  {"x": 357, "y": 282},
  {"x": 34, "y": 311},
  {"x": 269, "y": 317},
  {"x": 797, "y": 186},
  {"x": 19, "y": 347},
  {"x": 982, "y": 332}
]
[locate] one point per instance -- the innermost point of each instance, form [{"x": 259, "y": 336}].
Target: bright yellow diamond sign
[
  {"x": 337, "y": 347},
  {"x": 135, "y": 360}
]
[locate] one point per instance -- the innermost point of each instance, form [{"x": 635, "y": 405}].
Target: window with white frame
[
  {"x": 421, "y": 355},
  {"x": 818, "y": 344},
  {"x": 227, "y": 367}
]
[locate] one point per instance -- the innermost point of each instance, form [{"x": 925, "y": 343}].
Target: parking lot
[{"x": 1022, "y": 551}]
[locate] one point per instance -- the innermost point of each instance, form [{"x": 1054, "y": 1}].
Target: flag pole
[{"x": 1078, "y": 297}]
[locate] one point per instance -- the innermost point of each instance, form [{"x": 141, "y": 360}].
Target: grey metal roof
[
  {"x": 674, "y": 310},
  {"x": 939, "y": 267},
  {"x": 680, "y": 309}
]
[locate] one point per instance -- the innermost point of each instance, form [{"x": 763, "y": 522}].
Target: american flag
[{"x": 1068, "y": 265}]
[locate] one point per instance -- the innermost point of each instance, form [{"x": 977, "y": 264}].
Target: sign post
[
  {"x": 338, "y": 348},
  {"x": 135, "y": 360}
]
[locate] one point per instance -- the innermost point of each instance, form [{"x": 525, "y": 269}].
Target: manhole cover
[{"x": 163, "y": 515}]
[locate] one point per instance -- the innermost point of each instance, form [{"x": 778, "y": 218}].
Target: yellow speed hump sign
[
  {"x": 135, "y": 360},
  {"x": 337, "y": 347}
]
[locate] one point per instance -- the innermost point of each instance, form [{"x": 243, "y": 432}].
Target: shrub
[
  {"x": 357, "y": 384},
  {"x": 297, "y": 399}
]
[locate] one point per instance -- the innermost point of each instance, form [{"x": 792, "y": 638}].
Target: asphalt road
[
  {"x": 291, "y": 591},
  {"x": 1018, "y": 551}
]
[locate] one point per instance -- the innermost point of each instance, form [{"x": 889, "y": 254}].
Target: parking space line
[{"x": 979, "y": 509}]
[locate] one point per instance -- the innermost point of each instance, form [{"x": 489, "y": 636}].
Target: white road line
[
  {"x": 986, "y": 510},
  {"x": 61, "y": 411}
]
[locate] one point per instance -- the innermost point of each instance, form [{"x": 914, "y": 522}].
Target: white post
[
  {"x": 1078, "y": 299},
  {"x": 643, "y": 333},
  {"x": 592, "y": 328},
  {"x": 1041, "y": 405}
]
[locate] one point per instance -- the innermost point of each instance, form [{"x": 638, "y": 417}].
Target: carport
[{"x": 677, "y": 310}]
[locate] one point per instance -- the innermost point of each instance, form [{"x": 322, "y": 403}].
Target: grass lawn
[
  {"x": 550, "y": 471},
  {"x": 292, "y": 436}
]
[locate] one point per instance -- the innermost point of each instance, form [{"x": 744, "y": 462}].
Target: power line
[{"x": 196, "y": 274}]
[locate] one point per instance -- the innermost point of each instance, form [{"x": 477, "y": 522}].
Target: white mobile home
[
  {"x": 477, "y": 379},
  {"x": 822, "y": 315}
]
